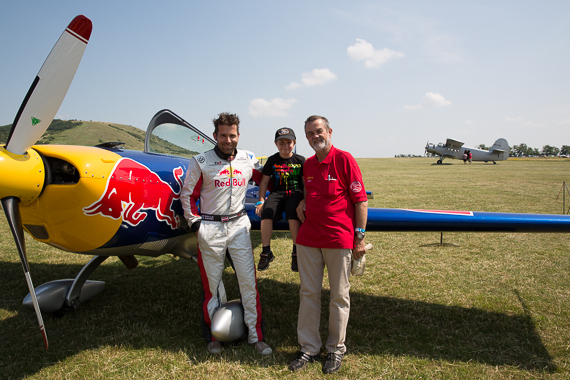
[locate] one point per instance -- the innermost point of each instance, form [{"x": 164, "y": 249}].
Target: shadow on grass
[
  {"x": 427, "y": 330},
  {"x": 156, "y": 306}
]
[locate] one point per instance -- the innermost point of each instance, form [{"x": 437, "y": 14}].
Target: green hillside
[{"x": 89, "y": 133}]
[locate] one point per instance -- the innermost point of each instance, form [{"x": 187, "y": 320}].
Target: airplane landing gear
[
  {"x": 62, "y": 296},
  {"x": 439, "y": 162}
]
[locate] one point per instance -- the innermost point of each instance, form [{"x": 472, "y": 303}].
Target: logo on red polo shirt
[{"x": 356, "y": 187}]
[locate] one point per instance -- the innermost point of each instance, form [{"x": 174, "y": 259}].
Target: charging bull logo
[
  {"x": 231, "y": 180},
  {"x": 133, "y": 191}
]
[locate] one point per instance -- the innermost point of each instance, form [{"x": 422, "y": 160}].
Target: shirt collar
[
  {"x": 328, "y": 158},
  {"x": 223, "y": 156}
]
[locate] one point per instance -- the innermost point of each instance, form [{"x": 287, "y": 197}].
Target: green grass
[{"x": 497, "y": 306}]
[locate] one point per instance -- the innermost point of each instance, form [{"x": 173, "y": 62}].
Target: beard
[{"x": 320, "y": 144}]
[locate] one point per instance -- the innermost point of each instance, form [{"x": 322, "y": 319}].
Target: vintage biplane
[
  {"x": 107, "y": 201},
  {"x": 455, "y": 149}
]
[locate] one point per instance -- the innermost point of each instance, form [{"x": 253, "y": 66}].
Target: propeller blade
[
  {"x": 49, "y": 88},
  {"x": 12, "y": 210}
]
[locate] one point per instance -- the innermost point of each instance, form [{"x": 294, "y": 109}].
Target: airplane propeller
[
  {"x": 23, "y": 172},
  {"x": 12, "y": 211}
]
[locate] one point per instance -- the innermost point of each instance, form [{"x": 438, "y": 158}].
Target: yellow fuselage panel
[
  {"x": 90, "y": 161},
  {"x": 21, "y": 176},
  {"x": 60, "y": 208}
]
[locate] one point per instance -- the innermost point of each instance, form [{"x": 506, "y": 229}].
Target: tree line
[{"x": 547, "y": 150}]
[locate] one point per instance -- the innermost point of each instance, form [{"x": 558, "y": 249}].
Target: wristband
[{"x": 260, "y": 203}]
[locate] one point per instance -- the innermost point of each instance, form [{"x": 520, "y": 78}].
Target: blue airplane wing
[{"x": 386, "y": 219}]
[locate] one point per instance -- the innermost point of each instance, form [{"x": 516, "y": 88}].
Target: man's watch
[{"x": 360, "y": 232}]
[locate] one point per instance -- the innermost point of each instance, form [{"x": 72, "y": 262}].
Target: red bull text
[{"x": 231, "y": 180}]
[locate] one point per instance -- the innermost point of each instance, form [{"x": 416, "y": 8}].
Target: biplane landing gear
[
  {"x": 439, "y": 162},
  {"x": 62, "y": 296}
]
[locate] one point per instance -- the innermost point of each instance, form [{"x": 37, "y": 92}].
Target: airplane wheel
[
  {"x": 439, "y": 162},
  {"x": 494, "y": 163}
]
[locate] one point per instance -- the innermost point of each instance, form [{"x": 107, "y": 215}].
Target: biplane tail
[{"x": 501, "y": 145}]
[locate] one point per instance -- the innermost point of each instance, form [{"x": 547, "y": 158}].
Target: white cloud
[
  {"x": 313, "y": 78},
  {"x": 275, "y": 108},
  {"x": 512, "y": 119},
  {"x": 431, "y": 99},
  {"x": 293, "y": 86},
  {"x": 364, "y": 51},
  {"x": 434, "y": 100}
]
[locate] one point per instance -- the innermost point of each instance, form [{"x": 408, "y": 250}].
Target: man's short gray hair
[{"x": 313, "y": 118}]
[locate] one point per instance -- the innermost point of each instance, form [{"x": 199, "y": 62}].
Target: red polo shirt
[{"x": 333, "y": 187}]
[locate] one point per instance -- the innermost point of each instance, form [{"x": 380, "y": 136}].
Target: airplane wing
[
  {"x": 453, "y": 143},
  {"x": 405, "y": 220}
]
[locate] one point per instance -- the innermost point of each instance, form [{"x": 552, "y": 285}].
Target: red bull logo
[
  {"x": 225, "y": 172},
  {"x": 133, "y": 191},
  {"x": 232, "y": 180}
]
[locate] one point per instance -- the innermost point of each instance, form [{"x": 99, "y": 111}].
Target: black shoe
[
  {"x": 264, "y": 260},
  {"x": 294, "y": 266},
  {"x": 301, "y": 361},
  {"x": 333, "y": 362}
]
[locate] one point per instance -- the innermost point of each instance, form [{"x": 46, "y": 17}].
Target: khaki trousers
[{"x": 312, "y": 262}]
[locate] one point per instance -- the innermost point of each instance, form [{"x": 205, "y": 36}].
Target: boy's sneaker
[
  {"x": 294, "y": 266},
  {"x": 264, "y": 260}
]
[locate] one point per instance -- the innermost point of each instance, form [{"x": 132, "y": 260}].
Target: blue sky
[{"x": 389, "y": 75}]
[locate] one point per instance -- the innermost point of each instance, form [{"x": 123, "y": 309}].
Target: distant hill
[{"x": 89, "y": 133}]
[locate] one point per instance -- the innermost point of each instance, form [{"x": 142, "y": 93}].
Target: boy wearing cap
[{"x": 285, "y": 170}]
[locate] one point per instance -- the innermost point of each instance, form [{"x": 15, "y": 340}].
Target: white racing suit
[{"x": 220, "y": 186}]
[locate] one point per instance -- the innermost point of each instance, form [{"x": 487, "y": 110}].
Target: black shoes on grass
[
  {"x": 294, "y": 266},
  {"x": 302, "y": 360},
  {"x": 332, "y": 364},
  {"x": 264, "y": 260}
]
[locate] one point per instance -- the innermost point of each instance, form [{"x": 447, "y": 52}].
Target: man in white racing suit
[{"x": 218, "y": 179}]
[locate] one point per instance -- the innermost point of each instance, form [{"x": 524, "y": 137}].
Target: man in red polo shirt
[{"x": 334, "y": 215}]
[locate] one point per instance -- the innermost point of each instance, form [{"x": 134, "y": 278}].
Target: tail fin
[{"x": 501, "y": 145}]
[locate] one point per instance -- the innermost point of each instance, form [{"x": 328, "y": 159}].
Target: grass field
[{"x": 497, "y": 306}]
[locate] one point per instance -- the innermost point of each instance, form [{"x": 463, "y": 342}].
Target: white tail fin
[{"x": 501, "y": 145}]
